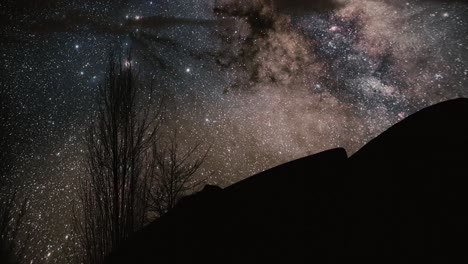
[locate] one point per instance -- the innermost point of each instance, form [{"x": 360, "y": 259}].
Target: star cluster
[{"x": 262, "y": 82}]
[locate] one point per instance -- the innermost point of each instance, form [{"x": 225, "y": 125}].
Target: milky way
[{"x": 263, "y": 82}]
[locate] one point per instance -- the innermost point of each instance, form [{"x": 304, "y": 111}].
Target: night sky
[{"x": 261, "y": 81}]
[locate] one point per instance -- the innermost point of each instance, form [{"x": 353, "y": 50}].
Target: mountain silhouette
[{"x": 402, "y": 198}]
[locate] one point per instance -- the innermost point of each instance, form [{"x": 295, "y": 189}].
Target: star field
[{"x": 262, "y": 82}]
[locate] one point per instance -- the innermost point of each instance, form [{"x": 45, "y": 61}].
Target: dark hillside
[
  {"x": 402, "y": 196},
  {"x": 409, "y": 190}
]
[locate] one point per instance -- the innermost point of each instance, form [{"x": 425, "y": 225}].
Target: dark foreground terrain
[{"x": 402, "y": 198}]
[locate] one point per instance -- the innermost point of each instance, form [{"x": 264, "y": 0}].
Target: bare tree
[
  {"x": 114, "y": 190},
  {"x": 174, "y": 173},
  {"x": 12, "y": 213},
  {"x": 131, "y": 171},
  {"x": 6, "y": 240}
]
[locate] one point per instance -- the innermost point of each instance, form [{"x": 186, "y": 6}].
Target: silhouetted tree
[
  {"x": 11, "y": 219},
  {"x": 131, "y": 171},
  {"x": 174, "y": 173},
  {"x": 114, "y": 190}
]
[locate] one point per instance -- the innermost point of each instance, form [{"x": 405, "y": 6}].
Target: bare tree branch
[
  {"x": 12, "y": 214},
  {"x": 113, "y": 192},
  {"x": 174, "y": 173}
]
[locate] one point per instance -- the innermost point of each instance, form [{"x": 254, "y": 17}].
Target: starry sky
[{"x": 261, "y": 81}]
